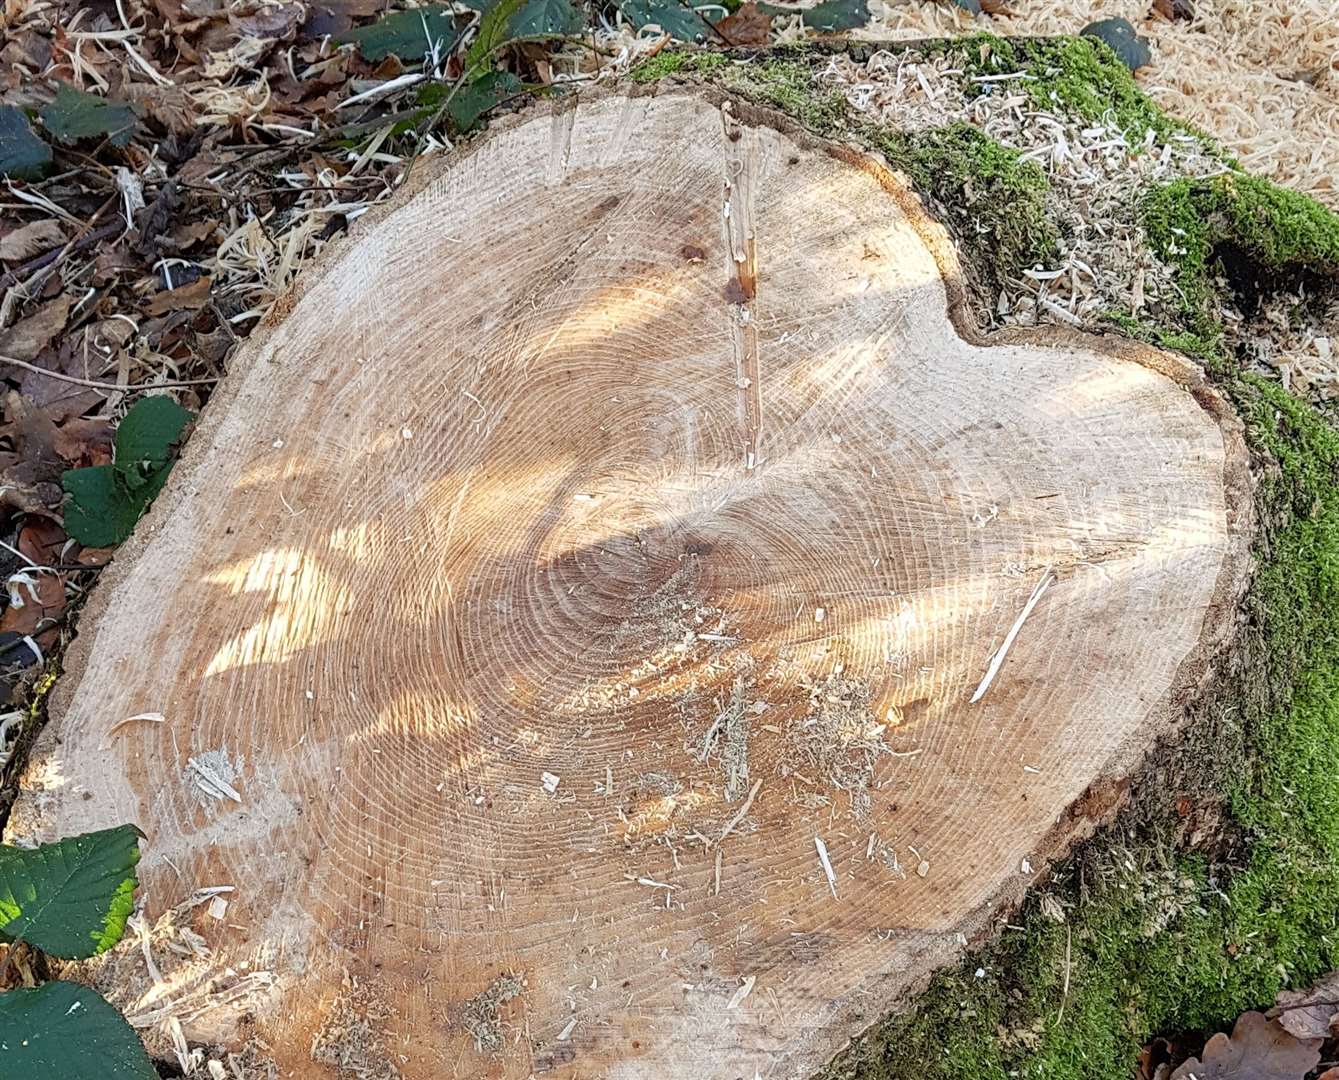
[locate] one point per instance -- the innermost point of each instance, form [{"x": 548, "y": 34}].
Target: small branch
[{"x": 97, "y": 385}]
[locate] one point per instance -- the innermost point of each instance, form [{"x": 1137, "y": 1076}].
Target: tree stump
[{"x": 619, "y": 620}]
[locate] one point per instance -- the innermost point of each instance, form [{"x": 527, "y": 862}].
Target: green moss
[
  {"x": 1080, "y": 74},
  {"x": 1194, "y": 224},
  {"x": 789, "y": 85},
  {"x": 668, "y": 62},
  {"x": 995, "y": 200}
]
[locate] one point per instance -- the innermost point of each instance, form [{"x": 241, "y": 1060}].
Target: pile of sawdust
[
  {"x": 352, "y": 1038},
  {"x": 839, "y": 737},
  {"x": 480, "y": 1016},
  {"x": 1259, "y": 75}
]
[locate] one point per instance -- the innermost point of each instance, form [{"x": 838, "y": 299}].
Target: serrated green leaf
[
  {"x": 23, "y": 156},
  {"x": 546, "y": 19},
  {"x": 494, "y": 32},
  {"x": 1132, "y": 50},
  {"x": 71, "y": 898},
  {"x": 144, "y": 439},
  {"x": 410, "y": 35},
  {"x": 837, "y": 15},
  {"x": 476, "y": 98},
  {"x": 676, "y": 19},
  {"x": 74, "y": 115},
  {"x": 62, "y": 1029}
]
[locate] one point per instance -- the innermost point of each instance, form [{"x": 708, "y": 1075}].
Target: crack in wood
[{"x": 741, "y": 289}]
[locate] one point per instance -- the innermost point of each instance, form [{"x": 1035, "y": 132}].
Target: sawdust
[
  {"x": 211, "y": 776},
  {"x": 1259, "y": 75},
  {"x": 481, "y": 1014},
  {"x": 839, "y": 738},
  {"x": 353, "y": 1038},
  {"x": 1095, "y": 174}
]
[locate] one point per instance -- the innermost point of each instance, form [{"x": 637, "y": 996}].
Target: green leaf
[
  {"x": 494, "y": 32},
  {"x": 103, "y": 507},
  {"x": 145, "y": 438},
  {"x": 1132, "y": 50},
  {"x": 410, "y": 35},
  {"x": 62, "y": 1029},
  {"x": 107, "y": 500},
  {"x": 71, "y": 898},
  {"x": 837, "y": 15},
  {"x": 23, "y": 156},
  {"x": 545, "y": 19},
  {"x": 676, "y": 19},
  {"x": 475, "y": 98},
  {"x": 75, "y": 115}
]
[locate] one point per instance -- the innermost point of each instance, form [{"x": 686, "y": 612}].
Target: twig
[
  {"x": 12, "y": 277},
  {"x": 998, "y": 659},
  {"x": 97, "y": 385},
  {"x": 1064, "y": 993},
  {"x": 739, "y": 814}
]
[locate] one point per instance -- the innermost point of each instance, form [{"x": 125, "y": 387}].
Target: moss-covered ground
[{"x": 1219, "y": 884}]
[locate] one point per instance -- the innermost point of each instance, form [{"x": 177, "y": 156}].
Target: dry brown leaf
[
  {"x": 749, "y": 25},
  {"x": 95, "y": 556},
  {"x": 278, "y": 22},
  {"x": 1258, "y": 1049},
  {"x": 85, "y": 441},
  {"x": 187, "y": 298},
  {"x": 28, "y": 337},
  {"x": 1311, "y": 1013},
  {"x": 42, "y": 541},
  {"x": 43, "y": 599},
  {"x": 1174, "y": 9},
  {"x": 32, "y": 239}
]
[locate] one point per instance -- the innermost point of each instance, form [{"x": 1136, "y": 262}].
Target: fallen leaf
[
  {"x": 23, "y": 156},
  {"x": 1132, "y": 50},
  {"x": 1258, "y": 1049},
  {"x": 35, "y": 238},
  {"x": 99, "y": 556},
  {"x": 75, "y": 115},
  {"x": 410, "y": 35},
  {"x": 28, "y": 337},
  {"x": 188, "y": 297},
  {"x": 43, "y": 596},
  {"x": 41, "y": 540},
  {"x": 1311, "y": 1013},
  {"x": 1174, "y": 9},
  {"x": 279, "y": 21},
  {"x": 749, "y": 25},
  {"x": 84, "y": 441}
]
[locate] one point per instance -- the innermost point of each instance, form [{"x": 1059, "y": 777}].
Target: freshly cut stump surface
[{"x": 602, "y": 592}]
